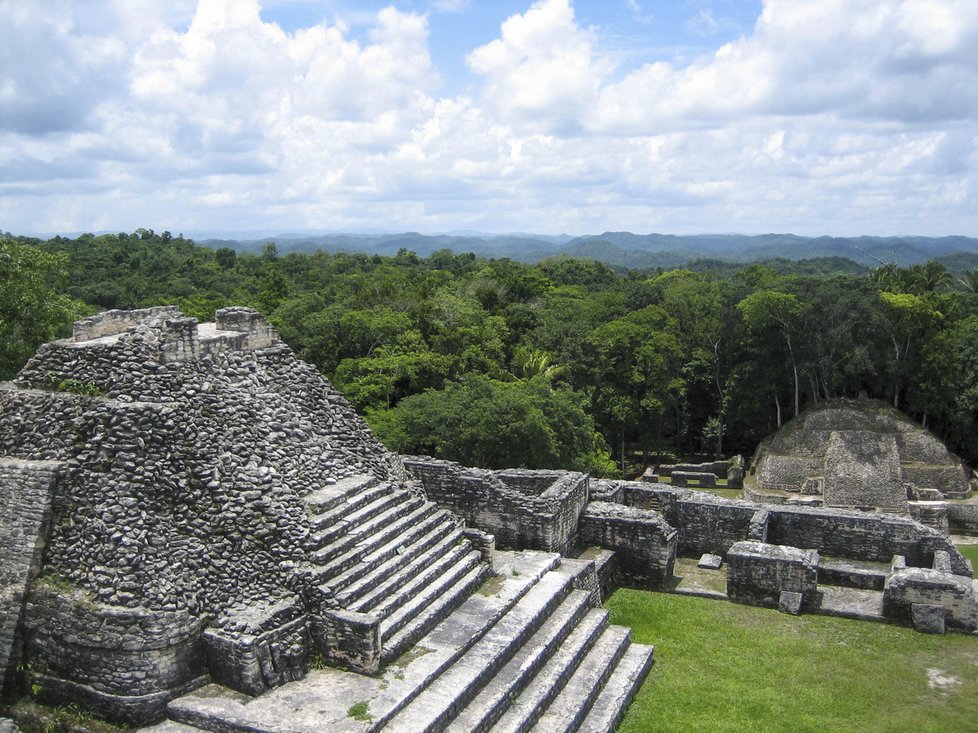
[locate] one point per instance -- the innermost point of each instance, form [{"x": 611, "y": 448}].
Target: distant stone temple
[
  {"x": 197, "y": 528},
  {"x": 858, "y": 454}
]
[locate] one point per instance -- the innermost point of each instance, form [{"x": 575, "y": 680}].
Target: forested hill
[
  {"x": 561, "y": 363},
  {"x": 624, "y": 250}
]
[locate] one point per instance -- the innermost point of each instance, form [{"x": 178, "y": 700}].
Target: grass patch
[
  {"x": 689, "y": 575},
  {"x": 360, "y": 711},
  {"x": 970, "y": 552},
  {"x": 415, "y": 652},
  {"x": 726, "y": 667},
  {"x": 33, "y": 717},
  {"x": 493, "y": 585}
]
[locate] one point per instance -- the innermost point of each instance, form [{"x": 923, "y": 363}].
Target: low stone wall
[
  {"x": 861, "y": 536},
  {"x": 717, "y": 468},
  {"x": 932, "y": 600},
  {"x": 962, "y": 517},
  {"x": 759, "y": 573},
  {"x": 26, "y": 491},
  {"x": 712, "y": 524},
  {"x": 524, "y": 509},
  {"x": 707, "y": 523},
  {"x": 644, "y": 544},
  {"x": 123, "y": 663},
  {"x": 259, "y": 647}
]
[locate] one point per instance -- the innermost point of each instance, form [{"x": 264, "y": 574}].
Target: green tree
[
  {"x": 33, "y": 306},
  {"x": 489, "y": 423},
  {"x": 768, "y": 313}
]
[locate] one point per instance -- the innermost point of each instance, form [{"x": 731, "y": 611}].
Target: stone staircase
[
  {"x": 551, "y": 663},
  {"x": 529, "y": 650},
  {"x": 384, "y": 561}
]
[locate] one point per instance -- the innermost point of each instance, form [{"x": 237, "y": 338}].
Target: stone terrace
[{"x": 220, "y": 521}]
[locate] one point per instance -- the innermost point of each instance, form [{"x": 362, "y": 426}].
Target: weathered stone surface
[
  {"x": 26, "y": 490},
  {"x": 187, "y": 451},
  {"x": 758, "y": 573},
  {"x": 521, "y": 508},
  {"x": 928, "y": 618},
  {"x": 790, "y": 602},
  {"x": 8, "y": 726},
  {"x": 710, "y": 561},
  {"x": 861, "y": 453},
  {"x": 955, "y": 594},
  {"x": 644, "y": 544},
  {"x": 862, "y": 468}
]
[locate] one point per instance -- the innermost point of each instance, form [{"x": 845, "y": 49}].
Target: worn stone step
[
  {"x": 325, "y": 498},
  {"x": 423, "y": 616},
  {"x": 618, "y": 691},
  {"x": 567, "y": 711},
  {"x": 375, "y": 531},
  {"x": 397, "y": 617},
  {"x": 547, "y": 683},
  {"x": 351, "y": 522},
  {"x": 349, "y": 582},
  {"x": 409, "y": 578},
  {"x": 506, "y": 686},
  {"x": 319, "y": 521},
  {"x": 433, "y": 708}
]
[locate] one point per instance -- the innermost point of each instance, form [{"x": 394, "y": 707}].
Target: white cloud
[
  {"x": 542, "y": 70},
  {"x": 830, "y": 117}
]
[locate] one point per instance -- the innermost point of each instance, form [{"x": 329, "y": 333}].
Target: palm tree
[
  {"x": 970, "y": 280},
  {"x": 530, "y": 363},
  {"x": 930, "y": 277}
]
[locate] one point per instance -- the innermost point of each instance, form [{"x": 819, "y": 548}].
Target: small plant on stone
[
  {"x": 318, "y": 661},
  {"x": 360, "y": 711}
]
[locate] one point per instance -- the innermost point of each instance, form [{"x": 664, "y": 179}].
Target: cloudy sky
[{"x": 839, "y": 117}]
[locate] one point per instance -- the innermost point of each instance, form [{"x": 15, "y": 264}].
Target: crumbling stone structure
[
  {"x": 184, "y": 504},
  {"x": 858, "y": 454}
]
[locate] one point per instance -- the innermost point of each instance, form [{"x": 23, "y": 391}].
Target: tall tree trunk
[
  {"x": 777, "y": 404},
  {"x": 622, "y": 437},
  {"x": 794, "y": 368}
]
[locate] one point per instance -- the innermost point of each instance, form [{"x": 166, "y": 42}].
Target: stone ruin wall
[
  {"x": 521, "y": 508},
  {"x": 183, "y": 466},
  {"x": 712, "y": 524}
]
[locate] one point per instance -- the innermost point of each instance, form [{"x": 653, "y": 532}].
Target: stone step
[
  {"x": 353, "y": 581},
  {"x": 434, "y": 707},
  {"x": 618, "y": 691},
  {"x": 382, "y": 499},
  {"x": 325, "y": 498},
  {"x": 567, "y": 711},
  {"x": 397, "y": 617},
  {"x": 409, "y": 579},
  {"x": 320, "y": 521},
  {"x": 417, "y": 618},
  {"x": 375, "y": 532},
  {"x": 487, "y": 707},
  {"x": 320, "y": 702},
  {"x": 538, "y": 694}
]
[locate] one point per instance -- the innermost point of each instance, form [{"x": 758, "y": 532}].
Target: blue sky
[{"x": 815, "y": 117}]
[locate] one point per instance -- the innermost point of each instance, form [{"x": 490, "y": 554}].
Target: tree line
[{"x": 563, "y": 363}]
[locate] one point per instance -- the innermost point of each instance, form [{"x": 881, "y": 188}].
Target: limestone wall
[
  {"x": 125, "y": 663},
  {"x": 524, "y": 509},
  {"x": 861, "y": 535},
  {"x": 26, "y": 490},
  {"x": 758, "y": 573},
  {"x": 644, "y": 544}
]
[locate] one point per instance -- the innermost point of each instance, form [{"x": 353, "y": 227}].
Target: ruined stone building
[{"x": 197, "y": 528}]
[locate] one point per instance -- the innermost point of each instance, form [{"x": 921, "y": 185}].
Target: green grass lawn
[
  {"x": 970, "y": 552},
  {"x": 726, "y": 667}
]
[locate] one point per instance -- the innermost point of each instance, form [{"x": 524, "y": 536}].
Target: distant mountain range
[{"x": 624, "y": 250}]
